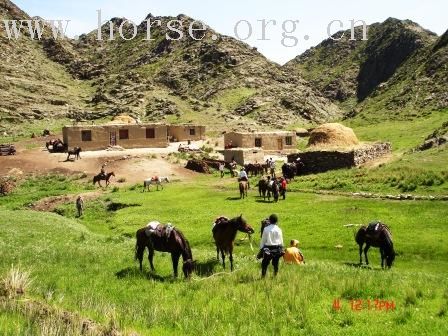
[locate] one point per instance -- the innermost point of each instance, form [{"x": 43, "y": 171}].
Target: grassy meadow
[{"x": 86, "y": 266}]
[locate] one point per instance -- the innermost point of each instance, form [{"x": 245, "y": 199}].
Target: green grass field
[{"x": 86, "y": 265}]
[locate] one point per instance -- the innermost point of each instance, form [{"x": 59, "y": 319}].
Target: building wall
[
  {"x": 269, "y": 141},
  {"x": 244, "y": 156},
  {"x": 182, "y": 132},
  {"x": 101, "y": 136},
  {"x": 322, "y": 161}
]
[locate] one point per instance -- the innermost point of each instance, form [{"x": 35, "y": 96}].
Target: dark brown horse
[
  {"x": 100, "y": 177},
  {"x": 265, "y": 190},
  {"x": 74, "y": 152},
  {"x": 376, "y": 234},
  {"x": 243, "y": 186},
  {"x": 224, "y": 234},
  {"x": 165, "y": 239}
]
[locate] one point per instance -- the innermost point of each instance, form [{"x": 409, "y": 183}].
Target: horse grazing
[
  {"x": 157, "y": 180},
  {"x": 376, "y": 234},
  {"x": 100, "y": 177},
  {"x": 224, "y": 233},
  {"x": 164, "y": 238},
  {"x": 75, "y": 152},
  {"x": 243, "y": 186}
]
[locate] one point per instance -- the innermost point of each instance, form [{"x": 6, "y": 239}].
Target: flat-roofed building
[
  {"x": 268, "y": 141},
  {"x": 97, "y": 137}
]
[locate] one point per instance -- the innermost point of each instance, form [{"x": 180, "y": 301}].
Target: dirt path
[{"x": 51, "y": 203}]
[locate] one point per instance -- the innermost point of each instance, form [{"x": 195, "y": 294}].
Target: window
[
  {"x": 124, "y": 134},
  {"x": 192, "y": 131},
  {"x": 258, "y": 142},
  {"x": 86, "y": 135},
  {"x": 288, "y": 141},
  {"x": 150, "y": 133}
]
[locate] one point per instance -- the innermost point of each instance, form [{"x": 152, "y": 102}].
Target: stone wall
[{"x": 322, "y": 161}]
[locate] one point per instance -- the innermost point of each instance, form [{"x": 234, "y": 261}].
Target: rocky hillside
[
  {"x": 400, "y": 71},
  {"x": 218, "y": 81},
  {"x": 32, "y": 87}
]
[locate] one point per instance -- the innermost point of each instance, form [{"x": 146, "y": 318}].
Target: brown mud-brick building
[
  {"x": 97, "y": 137},
  {"x": 268, "y": 141},
  {"x": 244, "y": 156},
  {"x": 186, "y": 132}
]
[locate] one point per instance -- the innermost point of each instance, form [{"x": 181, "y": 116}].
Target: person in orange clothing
[{"x": 293, "y": 255}]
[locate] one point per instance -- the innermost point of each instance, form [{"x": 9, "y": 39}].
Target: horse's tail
[{"x": 138, "y": 251}]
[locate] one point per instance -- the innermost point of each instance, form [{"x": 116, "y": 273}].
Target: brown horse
[
  {"x": 224, "y": 234},
  {"x": 100, "y": 177},
  {"x": 376, "y": 234},
  {"x": 243, "y": 186},
  {"x": 165, "y": 239}
]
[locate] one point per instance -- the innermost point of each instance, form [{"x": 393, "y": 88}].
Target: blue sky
[{"x": 314, "y": 16}]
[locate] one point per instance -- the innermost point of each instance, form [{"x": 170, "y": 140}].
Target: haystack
[
  {"x": 123, "y": 119},
  {"x": 333, "y": 135}
]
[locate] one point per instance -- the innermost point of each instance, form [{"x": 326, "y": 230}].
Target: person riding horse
[
  {"x": 243, "y": 177},
  {"x": 103, "y": 171}
]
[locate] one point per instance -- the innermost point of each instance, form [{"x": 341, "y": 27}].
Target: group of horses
[{"x": 224, "y": 233}]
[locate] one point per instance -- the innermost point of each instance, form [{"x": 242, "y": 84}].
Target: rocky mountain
[
  {"x": 399, "y": 71},
  {"x": 217, "y": 80},
  {"x": 32, "y": 87}
]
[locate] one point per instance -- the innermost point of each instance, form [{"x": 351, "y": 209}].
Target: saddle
[
  {"x": 154, "y": 178},
  {"x": 220, "y": 220},
  {"x": 374, "y": 228},
  {"x": 159, "y": 230}
]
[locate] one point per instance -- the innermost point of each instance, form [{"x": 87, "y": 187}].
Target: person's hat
[{"x": 273, "y": 219}]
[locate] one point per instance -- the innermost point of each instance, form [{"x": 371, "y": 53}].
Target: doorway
[
  {"x": 113, "y": 138},
  {"x": 280, "y": 144}
]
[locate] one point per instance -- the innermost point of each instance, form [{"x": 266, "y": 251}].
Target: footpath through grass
[{"x": 86, "y": 265}]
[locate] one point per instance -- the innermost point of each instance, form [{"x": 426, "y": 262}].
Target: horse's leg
[
  {"x": 231, "y": 259},
  {"x": 139, "y": 254},
  {"x": 151, "y": 257},
  {"x": 382, "y": 257},
  {"x": 366, "y": 249},
  {"x": 217, "y": 253},
  {"x": 223, "y": 256},
  {"x": 175, "y": 259},
  {"x": 360, "y": 254}
]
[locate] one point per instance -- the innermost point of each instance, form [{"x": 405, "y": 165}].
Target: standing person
[
  {"x": 271, "y": 246},
  {"x": 293, "y": 255},
  {"x": 221, "y": 169},
  {"x": 80, "y": 205},
  {"x": 283, "y": 186},
  {"x": 272, "y": 166}
]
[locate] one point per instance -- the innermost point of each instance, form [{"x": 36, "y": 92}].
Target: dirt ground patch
[
  {"x": 132, "y": 166},
  {"x": 51, "y": 203}
]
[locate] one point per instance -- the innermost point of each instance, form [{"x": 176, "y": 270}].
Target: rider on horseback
[
  {"x": 103, "y": 171},
  {"x": 243, "y": 177}
]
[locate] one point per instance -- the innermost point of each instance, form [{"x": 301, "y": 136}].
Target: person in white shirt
[
  {"x": 221, "y": 169},
  {"x": 243, "y": 177},
  {"x": 271, "y": 246}
]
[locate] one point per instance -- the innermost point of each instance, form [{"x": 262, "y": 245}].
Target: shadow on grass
[
  {"x": 358, "y": 265},
  {"x": 134, "y": 272},
  {"x": 264, "y": 201},
  {"x": 233, "y": 198},
  {"x": 206, "y": 268}
]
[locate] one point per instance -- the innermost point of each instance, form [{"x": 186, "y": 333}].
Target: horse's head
[
  {"x": 390, "y": 257},
  {"x": 243, "y": 226},
  {"x": 188, "y": 268}
]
